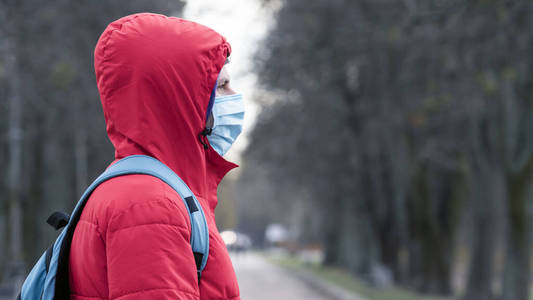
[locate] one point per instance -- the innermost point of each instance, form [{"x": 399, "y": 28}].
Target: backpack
[{"x": 49, "y": 278}]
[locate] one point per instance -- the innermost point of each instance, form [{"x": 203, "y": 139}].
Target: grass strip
[{"x": 349, "y": 282}]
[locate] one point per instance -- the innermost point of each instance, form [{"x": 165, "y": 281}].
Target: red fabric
[{"x": 155, "y": 75}]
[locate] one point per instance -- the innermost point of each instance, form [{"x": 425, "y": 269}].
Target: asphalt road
[{"x": 261, "y": 280}]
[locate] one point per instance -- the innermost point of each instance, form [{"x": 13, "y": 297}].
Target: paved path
[{"x": 261, "y": 280}]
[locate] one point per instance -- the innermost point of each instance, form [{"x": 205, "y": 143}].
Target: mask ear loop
[
  {"x": 211, "y": 101},
  {"x": 202, "y": 136}
]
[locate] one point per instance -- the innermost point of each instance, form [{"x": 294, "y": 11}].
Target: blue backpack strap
[
  {"x": 135, "y": 164},
  {"x": 143, "y": 164}
]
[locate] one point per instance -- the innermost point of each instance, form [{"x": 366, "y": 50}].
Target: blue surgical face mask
[{"x": 228, "y": 117}]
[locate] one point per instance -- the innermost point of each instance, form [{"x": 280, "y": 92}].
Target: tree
[
  {"x": 393, "y": 122},
  {"x": 52, "y": 137}
]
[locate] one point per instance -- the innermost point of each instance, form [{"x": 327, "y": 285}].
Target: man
[{"x": 157, "y": 78}]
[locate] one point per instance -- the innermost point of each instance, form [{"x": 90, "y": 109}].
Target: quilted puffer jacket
[{"x": 155, "y": 75}]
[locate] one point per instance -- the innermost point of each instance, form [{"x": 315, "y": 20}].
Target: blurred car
[{"x": 236, "y": 241}]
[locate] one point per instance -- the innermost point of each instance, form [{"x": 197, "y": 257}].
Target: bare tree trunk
[
  {"x": 435, "y": 201},
  {"x": 15, "y": 136},
  {"x": 517, "y": 271},
  {"x": 80, "y": 152},
  {"x": 332, "y": 236},
  {"x": 80, "y": 143},
  {"x": 487, "y": 191},
  {"x": 519, "y": 167}
]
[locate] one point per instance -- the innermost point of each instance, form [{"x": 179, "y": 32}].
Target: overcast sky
[{"x": 244, "y": 23}]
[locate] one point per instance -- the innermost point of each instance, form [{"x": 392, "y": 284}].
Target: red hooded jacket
[{"x": 155, "y": 75}]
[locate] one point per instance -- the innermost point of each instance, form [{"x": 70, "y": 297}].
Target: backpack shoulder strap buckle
[{"x": 58, "y": 220}]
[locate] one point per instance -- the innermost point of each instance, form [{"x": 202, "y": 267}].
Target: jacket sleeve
[{"x": 148, "y": 253}]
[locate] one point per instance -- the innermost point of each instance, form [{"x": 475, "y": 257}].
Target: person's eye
[{"x": 223, "y": 84}]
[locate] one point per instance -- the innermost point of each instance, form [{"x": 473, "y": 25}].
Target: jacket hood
[{"x": 155, "y": 75}]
